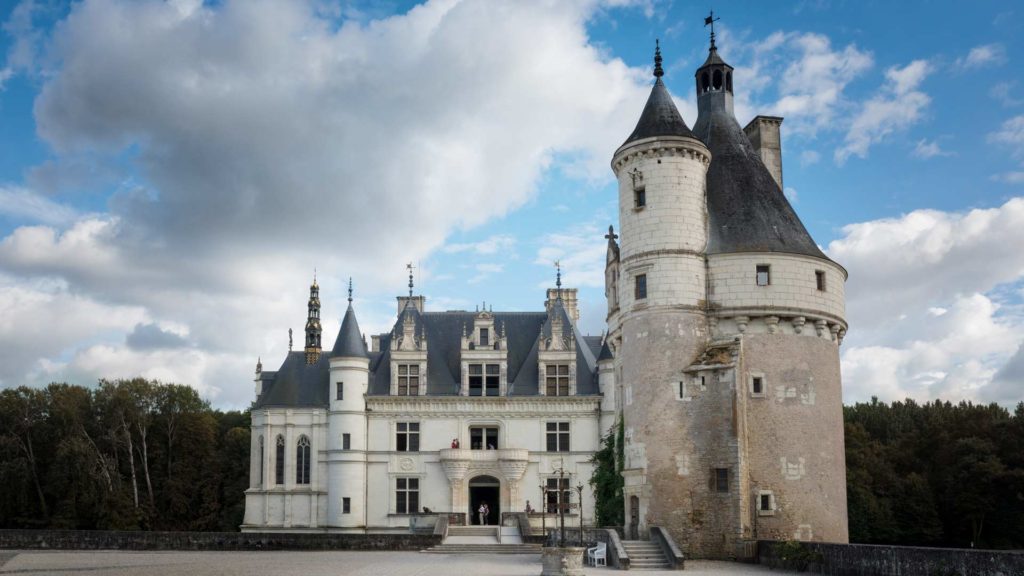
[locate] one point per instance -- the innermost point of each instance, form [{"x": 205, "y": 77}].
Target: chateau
[{"x": 721, "y": 358}]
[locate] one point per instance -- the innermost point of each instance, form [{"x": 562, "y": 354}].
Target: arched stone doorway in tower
[{"x": 485, "y": 489}]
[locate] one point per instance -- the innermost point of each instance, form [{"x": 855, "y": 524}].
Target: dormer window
[
  {"x": 484, "y": 379},
  {"x": 484, "y": 338}
]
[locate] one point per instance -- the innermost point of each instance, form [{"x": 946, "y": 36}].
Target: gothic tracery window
[
  {"x": 279, "y": 461},
  {"x": 302, "y": 461}
]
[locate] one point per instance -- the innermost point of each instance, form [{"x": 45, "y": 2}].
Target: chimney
[{"x": 763, "y": 132}]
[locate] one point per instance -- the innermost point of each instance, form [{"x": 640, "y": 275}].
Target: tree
[{"x": 606, "y": 479}]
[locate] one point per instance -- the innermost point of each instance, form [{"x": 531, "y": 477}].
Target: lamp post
[
  {"x": 544, "y": 510},
  {"x": 579, "y": 490},
  {"x": 561, "y": 503}
]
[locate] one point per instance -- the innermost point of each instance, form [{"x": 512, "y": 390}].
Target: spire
[
  {"x": 259, "y": 364},
  {"x": 350, "y": 291},
  {"x": 558, "y": 278},
  {"x": 409, "y": 266},
  {"x": 660, "y": 116},
  {"x": 658, "y": 72},
  {"x": 350, "y": 342},
  {"x": 313, "y": 330}
]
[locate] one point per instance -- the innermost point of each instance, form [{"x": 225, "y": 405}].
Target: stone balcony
[
  {"x": 483, "y": 456},
  {"x": 509, "y": 463}
]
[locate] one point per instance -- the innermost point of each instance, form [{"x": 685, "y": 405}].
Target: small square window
[
  {"x": 757, "y": 385},
  {"x": 346, "y": 441},
  {"x": 339, "y": 391},
  {"x": 819, "y": 277},
  {"x": 640, "y": 197},
  {"x": 485, "y": 337},
  {"x": 764, "y": 276},
  {"x": 765, "y": 503},
  {"x": 721, "y": 480},
  {"x": 346, "y": 505},
  {"x": 641, "y": 287}
]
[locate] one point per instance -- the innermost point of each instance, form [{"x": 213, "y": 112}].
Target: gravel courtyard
[{"x": 104, "y": 563}]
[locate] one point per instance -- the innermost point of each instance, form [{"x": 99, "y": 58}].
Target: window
[
  {"x": 682, "y": 389},
  {"x": 557, "y": 379},
  {"x": 484, "y": 379},
  {"x": 261, "y": 460},
  {"x": 408, "y": 379},
  {"x": 720, "y": 480},
  {"x": 346, "y": 441},
  {"x": 558, "y": 493},
  {"x": 558, "y": 436},
  {"x": 408, "y": 437},
  {"x": 302, "y": 461},
  {"x": 640, "y": 197},
  {"x": 346, "y": 505},
  {"x": 765, "y": 503},
  {"x": 339, "y": 390},
  {"x": 819, "y": 277},
  {"x": 764, "y": 277},
  {"x": 483, "y": 438},
  {"x": 484, "y": 337},
  {"x": 407, "y": 495},
  {"x": 279, "y": 461},
  {"x": 641, "y": 287}
]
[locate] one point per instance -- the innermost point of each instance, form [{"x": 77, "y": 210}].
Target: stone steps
[
  {"x": 484, "y": 549},
  {"x": 473, "y": 530},
  {"x": 645, "y": 555}
]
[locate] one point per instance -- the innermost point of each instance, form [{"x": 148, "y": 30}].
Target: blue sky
[{"x": 171, "y": 173}]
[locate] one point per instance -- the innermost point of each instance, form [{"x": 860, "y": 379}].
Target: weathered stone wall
[
  {"x": 792, "y": 436},
  {"x": 868, "y": 560},
  {"x": 113, "y": 540}
]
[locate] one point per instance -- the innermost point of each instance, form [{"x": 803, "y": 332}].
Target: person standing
[{"x": 482, "y": 512}]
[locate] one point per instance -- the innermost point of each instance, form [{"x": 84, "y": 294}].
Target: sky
[{"x": 173, "y": 173}]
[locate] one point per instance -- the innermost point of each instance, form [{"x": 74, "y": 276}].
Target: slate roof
[
  {"x": 660, "y": 117},
  {"x": 297, "y": 385},
  {"x": 747, "y": 212}
]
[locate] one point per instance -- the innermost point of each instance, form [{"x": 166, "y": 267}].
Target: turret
[
  {"x": 349, "y": 381},
  {"x": 313, "y": 330}
]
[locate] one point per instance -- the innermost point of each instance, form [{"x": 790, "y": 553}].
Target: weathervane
[
  {"x": 710, "y": 20},
  {"x": 350, "y": 290},
  {"x": 410, "y": 267}
]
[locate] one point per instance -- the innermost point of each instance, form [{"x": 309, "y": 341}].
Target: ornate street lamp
[
  {"x": 579, "y": 490},
  {"x": 544, "y": 510}
]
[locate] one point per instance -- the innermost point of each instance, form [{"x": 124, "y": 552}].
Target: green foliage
[
  {"x": 606, "y": 479},
  {"x": 128, "y": 454},
  {"x": 793, "y": 555},
  {"x": 935, "y": 474}
]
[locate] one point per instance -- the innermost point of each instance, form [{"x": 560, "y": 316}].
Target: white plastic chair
[{"x": 597, "y": 555}]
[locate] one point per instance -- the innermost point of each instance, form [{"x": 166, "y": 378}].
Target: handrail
[{"x": 668, "y": 547}]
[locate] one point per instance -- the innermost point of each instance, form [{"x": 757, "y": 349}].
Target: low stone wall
[
  {"x": 115, "y": 540},
  {"x": 870, "y": 560}
]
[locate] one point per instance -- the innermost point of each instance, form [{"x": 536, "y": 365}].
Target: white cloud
[
  {"x": 981, "y": 56},
  {"x": 925, "y": 149},
  {"x": 491, "y": 245},
  {"x": 899, "y": 105},
  {"x": 581, "y": 252},
  {"x": 1002, "y": 92},
  {"x": 791, "y": 194},
  {"x": 1010, "y": 177},
  {"x": 809, "y": 157},
  {"x": 1011, "y": 135},
  {"x": 22, "y": 204},
  {"x": 264, "y": 140},
  {"x": 924, "y": 303}
]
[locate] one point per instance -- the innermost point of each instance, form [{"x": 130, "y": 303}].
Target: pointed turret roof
[
  {"x": 660, "y": 116},
  {"x": 350, "y": 340}
]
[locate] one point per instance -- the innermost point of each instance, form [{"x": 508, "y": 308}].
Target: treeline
[
  {"x": 125, "y": 455},
  {"x": 935, "y": 474}
]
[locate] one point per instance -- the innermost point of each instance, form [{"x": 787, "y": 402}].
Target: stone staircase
[
  {"x": 645, "y": 555},
  {"x": 483, "y": 540}
]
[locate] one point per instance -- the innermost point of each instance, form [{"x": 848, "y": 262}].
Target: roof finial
[
  {"x": 289, "y": 339},
  {"x": 658, "y": 72},
  {"x": 314, "y": 277},
  {"x": 259, "y": 364},
  {"x": 350, "y": 290},
  {"x": 410, "y": 267},
  {"x": 710, "y": 20},
  {"x": 558, "y": 278}
]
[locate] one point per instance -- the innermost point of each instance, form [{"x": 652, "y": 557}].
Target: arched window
[
  {"x": 279, "y": 461},
  {"x": 704, "y": 82},
  {"x": 728, "y": 81},
  {"x": 717, "y": 81},
  {"x": 261, "y": 462},
  {"x": 302, "y": 461}
]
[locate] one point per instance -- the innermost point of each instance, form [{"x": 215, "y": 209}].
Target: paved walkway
[{"x": 115, "y": 563}]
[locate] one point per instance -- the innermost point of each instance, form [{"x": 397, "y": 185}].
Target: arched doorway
[
  {"x": 485, "y": 489},
  {"x": 634, "y": 518}
]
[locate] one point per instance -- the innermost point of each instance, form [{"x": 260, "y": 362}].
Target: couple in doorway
[{"x": 483, "y": 511}]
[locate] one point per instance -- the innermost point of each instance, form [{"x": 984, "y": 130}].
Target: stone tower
[{"x": 724, "y": 325}]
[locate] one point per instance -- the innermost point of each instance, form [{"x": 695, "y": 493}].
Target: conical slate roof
[
  {"x": 660, "y": 117},
  {"x": 349, "y": 342},
  {"x": 747, "y": 212}
]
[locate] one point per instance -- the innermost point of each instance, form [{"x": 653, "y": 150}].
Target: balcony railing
[{"x": 484, "y": 455}]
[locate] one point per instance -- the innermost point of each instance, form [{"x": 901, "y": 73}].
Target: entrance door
[
  {"x": 634, "y": 518},
  {"x": 485, "y": 489}
]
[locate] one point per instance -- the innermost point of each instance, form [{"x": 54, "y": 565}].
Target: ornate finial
[
  {"x": 314, "y": 278},
  {"x": 611, "y": 235},
  {"x": 710, "y": 20},
  {"x": 658, "y": 72},
  {"x": 558, "y": 278},
  {"x": 289, "y": 339},
  {"x": 350, "y": 290},
  {"x": 410, "y": 267},
  {"x": 259, "y": 364}
]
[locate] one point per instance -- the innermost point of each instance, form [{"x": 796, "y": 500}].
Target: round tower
[
  {"x": 346, "y": 428},
  {"x": 659, "y": 325}
]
